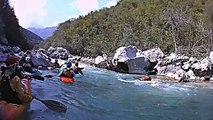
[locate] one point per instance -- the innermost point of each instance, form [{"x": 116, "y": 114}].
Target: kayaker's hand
[{"x": 32, "y": 96}]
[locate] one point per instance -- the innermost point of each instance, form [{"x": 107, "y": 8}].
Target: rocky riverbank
[
  {"x": 154, "y": 62},
  {"x": 129, "y": 59}
]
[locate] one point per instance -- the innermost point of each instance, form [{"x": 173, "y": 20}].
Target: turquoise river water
[{"x": 107, "y": 95}]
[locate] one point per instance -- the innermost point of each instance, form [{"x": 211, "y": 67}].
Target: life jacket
[
  {"x": 75, "y": 70},
  {"x": 7, "y": 93},
  {"x": 69, "y": 74},
  {"x": 27, "y": 67}
]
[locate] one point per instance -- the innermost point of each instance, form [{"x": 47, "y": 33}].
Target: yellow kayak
[{"x": 9, "y": 111}]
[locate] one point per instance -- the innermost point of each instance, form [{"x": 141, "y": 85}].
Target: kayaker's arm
[
  {"x": 80, "y": 71},
  {"x": 18, "y": 87},
  {"x": 61, "y": 72}
]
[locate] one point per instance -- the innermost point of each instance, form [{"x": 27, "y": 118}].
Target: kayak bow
[{"x": 9, "y": 111}]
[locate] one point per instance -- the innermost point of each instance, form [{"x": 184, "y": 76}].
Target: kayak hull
[
  {"x": 67, "y": 80},
  {"x": 37, "y": 72},
  {"x": 9, "y": 111},
  {"x": 56, "y": 70},
  {"x": 147, "y": 78}
]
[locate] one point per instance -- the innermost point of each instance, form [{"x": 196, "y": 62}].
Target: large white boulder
[
  {"x": 100, "y": 59},
  {"x": 125, "y": 53},
  {"x": 154, "y": 54},
  {"x": 211, "y": 56},
  {"x": 38, "y": 58},
  {"x": 50, "y": 50},
  {"x": 58, "y": 53},
  {"x": 203, "y": 65}
]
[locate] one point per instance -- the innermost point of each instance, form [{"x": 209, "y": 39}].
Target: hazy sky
[{"x": 46, "y": 13}]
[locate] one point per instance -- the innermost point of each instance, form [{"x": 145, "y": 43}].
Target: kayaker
[
  {"x": 56, "y": 64},
  {"x": 67, "y": 72},
  {"x": 76, "y": 68},
  {"x": 68, "y": 63},
  {"x": 27, "y": 66},
  {"x": 12, "y": 90},
  {"x": 23, "y": 59}
]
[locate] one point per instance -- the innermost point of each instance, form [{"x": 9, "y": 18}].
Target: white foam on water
[
  {"x": 157, "y": 83},
  {"x": 127, "y": 81}
]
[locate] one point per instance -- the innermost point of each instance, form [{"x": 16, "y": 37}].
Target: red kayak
[
  {"x": 67, "y": 80},
  {"x": 9, "y": 111}
]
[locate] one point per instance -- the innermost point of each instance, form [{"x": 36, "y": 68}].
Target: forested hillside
[{"x": 181, "y": 26}]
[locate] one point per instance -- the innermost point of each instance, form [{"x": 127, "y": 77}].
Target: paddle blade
[
  {"x": 48, "y": 76},
  {"x": 38, "y": 77},
  {"x": 81, "y": 68},
  {"x": 54, "y": 105}
]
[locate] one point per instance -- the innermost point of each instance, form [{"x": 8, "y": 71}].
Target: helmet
[
  {"x": 27, "y": 59},
  {"x": 11, "y": 60},
  {"x": 69, "y": 64}
]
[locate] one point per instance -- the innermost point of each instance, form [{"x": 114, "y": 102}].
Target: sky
[{"x": 48, "y": 13}]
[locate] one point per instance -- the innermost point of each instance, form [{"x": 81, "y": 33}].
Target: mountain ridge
[{"x": 43, "y": 32}]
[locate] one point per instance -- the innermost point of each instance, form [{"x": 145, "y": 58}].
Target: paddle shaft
[
  {"x": 38, "y": 77},
  {"x": 38, "y": 99}
]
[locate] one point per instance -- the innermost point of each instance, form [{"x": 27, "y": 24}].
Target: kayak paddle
[
  {"x": 53, "y": 105},
  {"x": 38, "y": 77},
  {"x": 49, "y": 76}
]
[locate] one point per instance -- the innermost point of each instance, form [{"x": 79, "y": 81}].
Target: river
[{"x": 108, "y": 95}]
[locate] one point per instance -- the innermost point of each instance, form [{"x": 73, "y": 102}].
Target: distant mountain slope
[
  {"x": 31, "y": 37},
  {"x": 43, "y": 32}
]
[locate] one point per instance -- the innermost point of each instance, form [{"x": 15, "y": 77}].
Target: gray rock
[
  {"x": 124, "y": 53},
  {"x": 138, "y": 65},
  {"x": 3, "y": 57},
  {"x": 40, "y": 59},
  {"x": 16, "y": 49},
  {"x": 58, "y": 53}
]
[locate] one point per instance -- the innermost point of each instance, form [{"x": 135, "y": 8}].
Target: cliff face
[
  {"x": 10, "y": 31},
  {"x": 31, "y": 37},
  {"x": 2, "y": 33},
  {"x": 3, "y": 40},
  {"x": 10, "y": 27}
]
